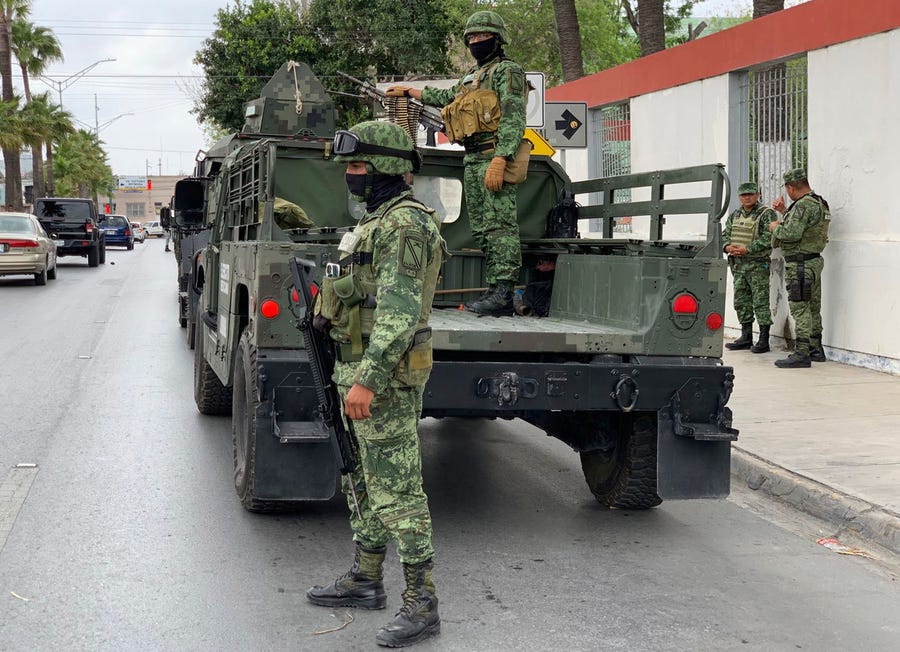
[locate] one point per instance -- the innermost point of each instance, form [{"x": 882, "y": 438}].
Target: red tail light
[
  {"x": 295, "y": 296},
  {"x": 22, "y": 244},
  {"x": 127, "y": 231},
  {"x": 269, "y": 309},
  {"x": 313, "y": 290},
  {"x": 685, "y": 304},
  {"x": 714, "y": 321},
  {"x": 88, "y": 226}
]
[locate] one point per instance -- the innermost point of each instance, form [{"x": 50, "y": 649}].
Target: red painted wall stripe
[{"x": 810, "y": 26}]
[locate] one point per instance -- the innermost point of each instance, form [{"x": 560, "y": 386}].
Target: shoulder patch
[
  {"x": 411, "y": 261},
  {"x": 516, "y": 81}
]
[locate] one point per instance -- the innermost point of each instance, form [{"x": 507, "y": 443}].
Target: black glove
[{"x": 321, "y": 324}]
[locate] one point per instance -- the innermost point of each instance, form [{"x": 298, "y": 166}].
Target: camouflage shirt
[
  {"x": 805, "y": 226},
  {"x": 761, "y": 247},
  {"x": 508, "y": 81},
  {"x": 407, "y": 251}
]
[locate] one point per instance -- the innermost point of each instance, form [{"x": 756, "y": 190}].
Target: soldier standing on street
[
  {"x": 748, "y": 244},
  {"x": 485, "y": 112},
  {"x": 802, "y": 236},
  {"x": 378, "y": 308}
]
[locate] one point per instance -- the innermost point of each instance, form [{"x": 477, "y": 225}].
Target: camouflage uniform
[
  {"x": 802, "y": 236},
  {"x": 389, "y": 480},
  {"x": 493, "y": 216},
  {"x": 751, "y": 272},
  {"x": 379, "y": 308}
]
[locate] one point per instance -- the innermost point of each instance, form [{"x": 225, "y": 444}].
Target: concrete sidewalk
[{"x": 825, "y": 440}]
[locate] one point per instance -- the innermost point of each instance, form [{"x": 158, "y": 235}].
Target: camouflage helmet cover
[
  {"x": 386, "y": 135},
  {"x": 748, "y": 188},
  {"x": 795, "y": 175},
  {"x": 486, "y": 21}
]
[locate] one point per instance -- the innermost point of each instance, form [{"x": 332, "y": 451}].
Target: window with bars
[
  {"x": 134, "y": 209},
  {"x": 613, "y": 128}
]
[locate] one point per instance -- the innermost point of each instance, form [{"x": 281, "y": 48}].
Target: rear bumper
[
  {"x": 22, "y": 263},
  {"x": 75, "y": 248},
  {"x": 118, "y": 240}
]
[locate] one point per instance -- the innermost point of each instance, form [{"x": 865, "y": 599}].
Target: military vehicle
[{"x": 615, "y": 350}]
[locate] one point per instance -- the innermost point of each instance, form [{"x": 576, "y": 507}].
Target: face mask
[
  {"x": 482, "y": 50},
  {"x": 356, "y": 184}
]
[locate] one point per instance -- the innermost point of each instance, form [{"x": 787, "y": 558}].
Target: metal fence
[
  {"x": 774, "y": 104},
  {"x": 612, "y": 125}
]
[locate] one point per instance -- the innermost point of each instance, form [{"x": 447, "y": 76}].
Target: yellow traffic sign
[{"x": 540, "y": 146}]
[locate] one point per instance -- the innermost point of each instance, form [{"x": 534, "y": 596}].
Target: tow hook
[
  {"x": 507, "y": 388},
  {"x": 626, "y": 393}
]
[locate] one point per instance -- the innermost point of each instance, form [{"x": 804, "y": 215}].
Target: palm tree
[
  {"x": 81, "y": 167},
  {"x": 35, "y": 48},
  {"x": 9, "y": 11},
  {"x": 37, "y": 125},
  {"x": 61, "y": 127},
  {"x": 10, "y": 125}
]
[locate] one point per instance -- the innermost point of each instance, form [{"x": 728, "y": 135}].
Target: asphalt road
[{"x": 128, "y": 536}]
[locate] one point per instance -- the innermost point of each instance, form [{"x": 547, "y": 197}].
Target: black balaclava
[
  {"x": 484, "y": 51},
  {"x": 374, "y": 188}
]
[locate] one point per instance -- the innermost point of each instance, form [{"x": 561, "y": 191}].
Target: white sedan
[
  {"x": 25, "y": 248},
  {"x": 154, "y": 229},
  {"x": 138, "y": 230}
]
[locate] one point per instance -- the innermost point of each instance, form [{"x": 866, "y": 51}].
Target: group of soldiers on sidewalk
[{"x": 751, "y": 232}]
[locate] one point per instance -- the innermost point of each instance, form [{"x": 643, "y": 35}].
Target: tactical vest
[
  {"x": 474, "y": 110},
  {"x": 816, "y": 235},
  {"x": 348, "y": 301},
  {"x": 744, "y": 229}
]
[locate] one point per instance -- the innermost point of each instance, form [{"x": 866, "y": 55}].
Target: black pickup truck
[{"x": 73, "y": 223}]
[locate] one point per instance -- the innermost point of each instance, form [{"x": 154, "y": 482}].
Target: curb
[{"x": 865, "y": 519}]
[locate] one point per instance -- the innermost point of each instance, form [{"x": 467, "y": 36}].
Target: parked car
[
  {"x": 154, "y": 229},
  {"x": 25, "y": 248},
  {"x": 137, "y": 229},
  {"x": 118, "y": 231},
  {"x": 74, "y": 224}
]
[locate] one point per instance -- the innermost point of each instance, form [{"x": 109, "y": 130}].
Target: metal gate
[
  {"x": 612, "y": 126},
  {"x": 774, "y": 103}
]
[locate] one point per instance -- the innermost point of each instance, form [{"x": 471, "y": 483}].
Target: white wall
[{"x": 854, "y": 139}]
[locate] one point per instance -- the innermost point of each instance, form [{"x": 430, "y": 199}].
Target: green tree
[
  {"x": 61, "y": 127},
  {"x": 9, "y": 11},
  {"x": 658, "y": 18},
  {"x": 764, "y": 7},
  {"x": 80, "y": 165},
  {"x": 11, "y": 131},
  {"x": 35, "y": 48},
  {"x": 251, "y": 41}
]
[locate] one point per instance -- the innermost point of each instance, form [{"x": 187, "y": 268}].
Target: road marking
[{"x": 13, "y": 492}]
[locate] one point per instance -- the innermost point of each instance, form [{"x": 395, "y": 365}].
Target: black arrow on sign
[{"x": 569, "y": 124}]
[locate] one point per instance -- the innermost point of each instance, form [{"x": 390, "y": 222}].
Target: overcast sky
[{"x": 153, "y": 42}]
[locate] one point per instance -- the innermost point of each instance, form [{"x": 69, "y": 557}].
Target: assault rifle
[
  {"x": 320, "y": 351},
  {"x": 428, "y": 116}
]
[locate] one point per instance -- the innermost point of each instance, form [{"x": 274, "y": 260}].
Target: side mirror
[
  {"x": 165, "y": 217},
  {"x": 189, "y": 202}
]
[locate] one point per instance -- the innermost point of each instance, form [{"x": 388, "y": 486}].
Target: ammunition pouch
[
  {"x": 473, "y": 111},
  {"x": 800, "y": 288},
  {"x": 414, "y": 367}
]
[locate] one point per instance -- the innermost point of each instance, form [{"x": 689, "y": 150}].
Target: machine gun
[
  {"x": 406, "y": 112},
  {"x": 320, "y": 350}
]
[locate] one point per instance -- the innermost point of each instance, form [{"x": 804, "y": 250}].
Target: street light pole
[{"x": 60, "y": 86}]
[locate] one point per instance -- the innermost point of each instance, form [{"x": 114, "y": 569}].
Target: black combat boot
[
  {"x": 361, "y": 586},
  {"x": 498, "y": 303},
  {"x": 762, "y": 344},
  {"x": 481, "y": 297},
  {"x": 816, "y": 352},
  {"x": 799, "y": 358},
  {"x": 745, "y": 341},
  {"x": 418, "y": 618}
]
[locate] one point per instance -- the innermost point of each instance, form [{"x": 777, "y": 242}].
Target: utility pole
[
  {"x": 147, "y": 161},
  {"x": 60, "y": 86},
  {"x": 96, "y": 116},
  {"x": 159, "y": 167}
]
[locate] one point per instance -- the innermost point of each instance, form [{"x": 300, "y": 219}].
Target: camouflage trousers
[
  {"x": 807, "y": 313},
  {"x": 494, "y": 222},
  {"x": 388, "y": 479},
  {"x": 751, "y": 291}
]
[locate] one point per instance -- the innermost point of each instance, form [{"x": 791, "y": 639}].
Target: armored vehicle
[{"x": 615, "y": 350}]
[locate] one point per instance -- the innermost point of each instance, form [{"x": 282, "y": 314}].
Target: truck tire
[
  {"x": 94, "y": 256},
  {"x": 244, "y": 425},
  {"x": 625, "y": 477},
  {"x": 210, "y": 395},
  {"x": 102, "y": 246}
]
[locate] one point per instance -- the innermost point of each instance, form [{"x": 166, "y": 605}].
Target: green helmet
[
  {"x": 486, "y": 21},
  {"x": 384, "y": 145}
]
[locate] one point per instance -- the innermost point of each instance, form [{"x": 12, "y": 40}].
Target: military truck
[{"x": 615, "y": 348}]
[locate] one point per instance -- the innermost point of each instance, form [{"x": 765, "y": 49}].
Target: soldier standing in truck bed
[
  {"x": 802, "y": 236},
  {"x": 378, "y": 309},
  {"x": 485, "y": 112},
  {"x": 748, "y": 243}
]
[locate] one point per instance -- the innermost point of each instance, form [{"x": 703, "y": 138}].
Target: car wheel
[
  {"x": 94, "y": 256},
  {"x": 130, "y": 245},
  {"x": 41, "y": 277},
  {"x": 102, "y": 247},
  {"x": 51, "y": 273}
]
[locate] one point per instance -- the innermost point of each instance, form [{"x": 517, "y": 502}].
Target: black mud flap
[{"x": 689, "y": 467}]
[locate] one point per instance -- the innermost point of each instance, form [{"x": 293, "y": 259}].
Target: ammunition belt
[{"x": 799, "y": 258}]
